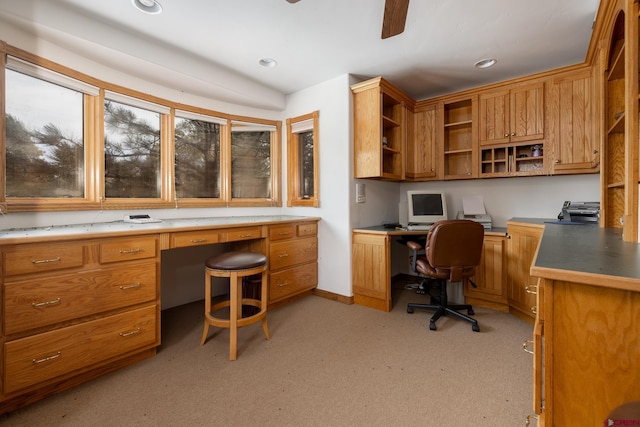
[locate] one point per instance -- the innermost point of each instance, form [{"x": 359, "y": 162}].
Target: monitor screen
[{"x": 426, "y": 207}]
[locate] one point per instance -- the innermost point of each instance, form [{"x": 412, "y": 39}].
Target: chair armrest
[{"x": 414, "y": 246}]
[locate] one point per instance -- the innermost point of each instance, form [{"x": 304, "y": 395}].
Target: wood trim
[{"x": 333, "y": 296}]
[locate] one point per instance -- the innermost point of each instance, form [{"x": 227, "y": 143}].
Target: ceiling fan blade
[
  {"x": 395, "y": 16},
  {"x": 293, "y": 1}
]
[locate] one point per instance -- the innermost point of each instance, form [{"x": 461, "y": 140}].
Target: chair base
[{"x": 442, "y": 308}]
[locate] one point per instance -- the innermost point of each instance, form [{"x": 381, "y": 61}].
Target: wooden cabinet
[
  {"x": 512, "y": 115},
  {"x": 587, "y": 352},
  {"x": 522, "y": 244},
  {"x": 572, "y": 146},
  {"x": 293, "y": 260},
  {"x": 422, "y": 144},
  {"x": 491, "y": 275},
  {"x": 371, "y": 270},
  {"x": 459, "y": 142},
  {"x": 380, "y": 129},
  {"x": 511, "y": 131},
  {"x": 74, "y": 306}
]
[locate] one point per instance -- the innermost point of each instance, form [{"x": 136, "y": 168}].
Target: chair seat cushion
[
  {"x": 236, "y": 260},
  {"x": 423, "y": 266}
]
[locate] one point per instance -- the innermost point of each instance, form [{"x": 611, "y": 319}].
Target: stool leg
[
  {"x": 263, "y": 303},
  {"x": 207, "y": 306},
  {"x": 235, "y": 310}
]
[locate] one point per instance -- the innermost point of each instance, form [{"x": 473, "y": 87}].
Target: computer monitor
[{"x": 426, "y": 207}]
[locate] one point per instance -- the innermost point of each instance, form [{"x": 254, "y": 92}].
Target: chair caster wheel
[
  {"x": 409, "y": 310},
  {"x": 475, "y": 328},
  {"x": 470, "y": 312},
  {"x": 432, "y": 326}
]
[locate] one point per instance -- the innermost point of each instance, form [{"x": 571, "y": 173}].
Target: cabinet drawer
[
  {"x": 281, "y": 232},
  {"x": 289, "y": 282},
  {"x": 37, "y": 258},
  {"x": 128, "y": 249},
  {"x": 193, "y": 238},
  {"x": 243, "y": 234},
  {"x": 29, "y": 361},
  {"x": 34, "y": 303},
  {"x": 307, "y": 229},
  {"x": 292, "y": 252}
]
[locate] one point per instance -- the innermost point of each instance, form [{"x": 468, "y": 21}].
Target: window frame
[
  {"x": 93, "y": 120},
  {"x": 294, "y": 161}
]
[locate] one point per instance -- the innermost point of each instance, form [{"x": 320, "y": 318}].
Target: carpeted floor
[{"x": 327, "y": 364}]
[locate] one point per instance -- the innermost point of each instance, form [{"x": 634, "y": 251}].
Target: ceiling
[{"x": 214, "y": 46}]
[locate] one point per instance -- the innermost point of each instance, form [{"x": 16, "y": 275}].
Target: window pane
[
  {"x": 44, "y": 138},
  {"x": 131, "y": 151},
  {"x": 197, "y": 151},
  {"x": 251, "y": 164},
  {"x": 305, "y": 139}
]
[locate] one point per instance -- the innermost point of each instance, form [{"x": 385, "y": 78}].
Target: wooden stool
[{"x": 235, "y": 266}]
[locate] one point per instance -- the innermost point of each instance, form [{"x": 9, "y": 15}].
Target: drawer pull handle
[
  {"x": 46, "y": 359},
  {"x": 129, "y": 251},
  {"x": 534, "y": 309},
  {"x": 46, "y": 303},
  {"x": 283, "y": 284},
  {"x": 531, "y": 289},
  {"x": 128, "y": 334},
  {"x": 283, "y": 255},
  {"x": 198, "y": 240},
  {"x": 246, "y": 235},
  {"x": 45, "y": 261},
  {"x": 525, "y": 346},
  {"x": 284, "y": 233},
  {"x": 125, "y": 287}
]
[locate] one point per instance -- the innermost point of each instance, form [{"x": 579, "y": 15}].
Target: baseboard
[{"x": 332, "y": 296}]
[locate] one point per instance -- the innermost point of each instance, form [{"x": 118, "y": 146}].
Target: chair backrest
[{"x": 455, "y": 246}]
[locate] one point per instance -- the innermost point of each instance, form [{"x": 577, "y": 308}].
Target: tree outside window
[
  {"x": 302, "y": 160},
  {"x": 251, "y": 157}
]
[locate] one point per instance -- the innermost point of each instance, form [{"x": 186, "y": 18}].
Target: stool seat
[
  {"x": 236, "y": 260},
  {"x": 236, "y": 265}
]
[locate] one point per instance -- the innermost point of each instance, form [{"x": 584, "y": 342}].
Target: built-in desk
[
  {"x": 371, "y": 267},
  {"x": 82, "y": 300},
  {"x": 586, "y": 341}
]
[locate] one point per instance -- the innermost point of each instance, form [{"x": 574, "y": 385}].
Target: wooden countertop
[
  {"x": 587, "y": 254},
  {"x": 119, "y": 228}
]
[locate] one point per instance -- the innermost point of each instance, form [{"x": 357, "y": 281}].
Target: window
[
  {"x": 302, "y": 160},
  {"x": 197, "y": 155},
  {"x": 77, "y": 143},
  {"x": 131, "y": 148},
  {"x": 253, "y": 156},
  {"x": 44, "y": 133}
]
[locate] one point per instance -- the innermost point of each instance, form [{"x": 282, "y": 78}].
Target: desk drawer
[
  {"x": 193, "y": 238},
  {"x": 248, "y": 233},
  {"x": 34, "y": 303},
  {"x": 41, "y": 257},
  {"x": 289, "y": 253},
  {"x": 128, "y": 249},
  {"x": 310, "y": 229},
  {"x": 292, "y": 281},
  {"x": 29, "y": 361},
  {"x": 280, "y": 232}
]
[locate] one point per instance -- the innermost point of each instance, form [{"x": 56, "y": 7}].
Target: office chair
[{"x": 451, "y": 253}]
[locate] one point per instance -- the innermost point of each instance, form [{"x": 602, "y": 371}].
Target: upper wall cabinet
[
  {"x": 422, "y": 144},
  {"x": 512, "y": 115},
  {"x": 572, "y": 144},
  {"x": 459, "y": 143},
  {"x": 380, "y": 129}
]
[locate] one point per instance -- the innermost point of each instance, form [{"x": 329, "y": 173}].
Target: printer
[
  {"x": 473, "y": 209},
  {"x": 580, "y": 212},
  {"x": 483, "y": 219}
]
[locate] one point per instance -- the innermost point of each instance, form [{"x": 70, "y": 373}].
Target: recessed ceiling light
[
  {"x": 148, "y": 6},
  {"x": 268, "y": 62},
  {"x": 485, "y": 63}
]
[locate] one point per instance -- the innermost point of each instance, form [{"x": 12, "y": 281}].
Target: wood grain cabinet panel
[
  {"x": 193, "y": 238},
  {"x": 30, "y": 304},
  {"x": 38, "y": 358},
  {"x": 41, "y": 257},
  {"x": 286, "y": 254},
  {"x": 127, "y": 249},
  {"x": 285, "y": 283}
]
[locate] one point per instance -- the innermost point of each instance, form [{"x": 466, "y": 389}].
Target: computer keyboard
[{"x": 419, "y": 227}]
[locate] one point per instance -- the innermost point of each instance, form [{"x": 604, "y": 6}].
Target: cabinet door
[
  {"x": 522, "y": 244},
  {"x": 494, "y": 117},
  {"x": 421, "y": 144},
  {"x": 370, "y": 280},
  {"x": 571, "y": 125},
  {"x": 527, "y": 113},
  {"x": 490, "y": 277}
]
